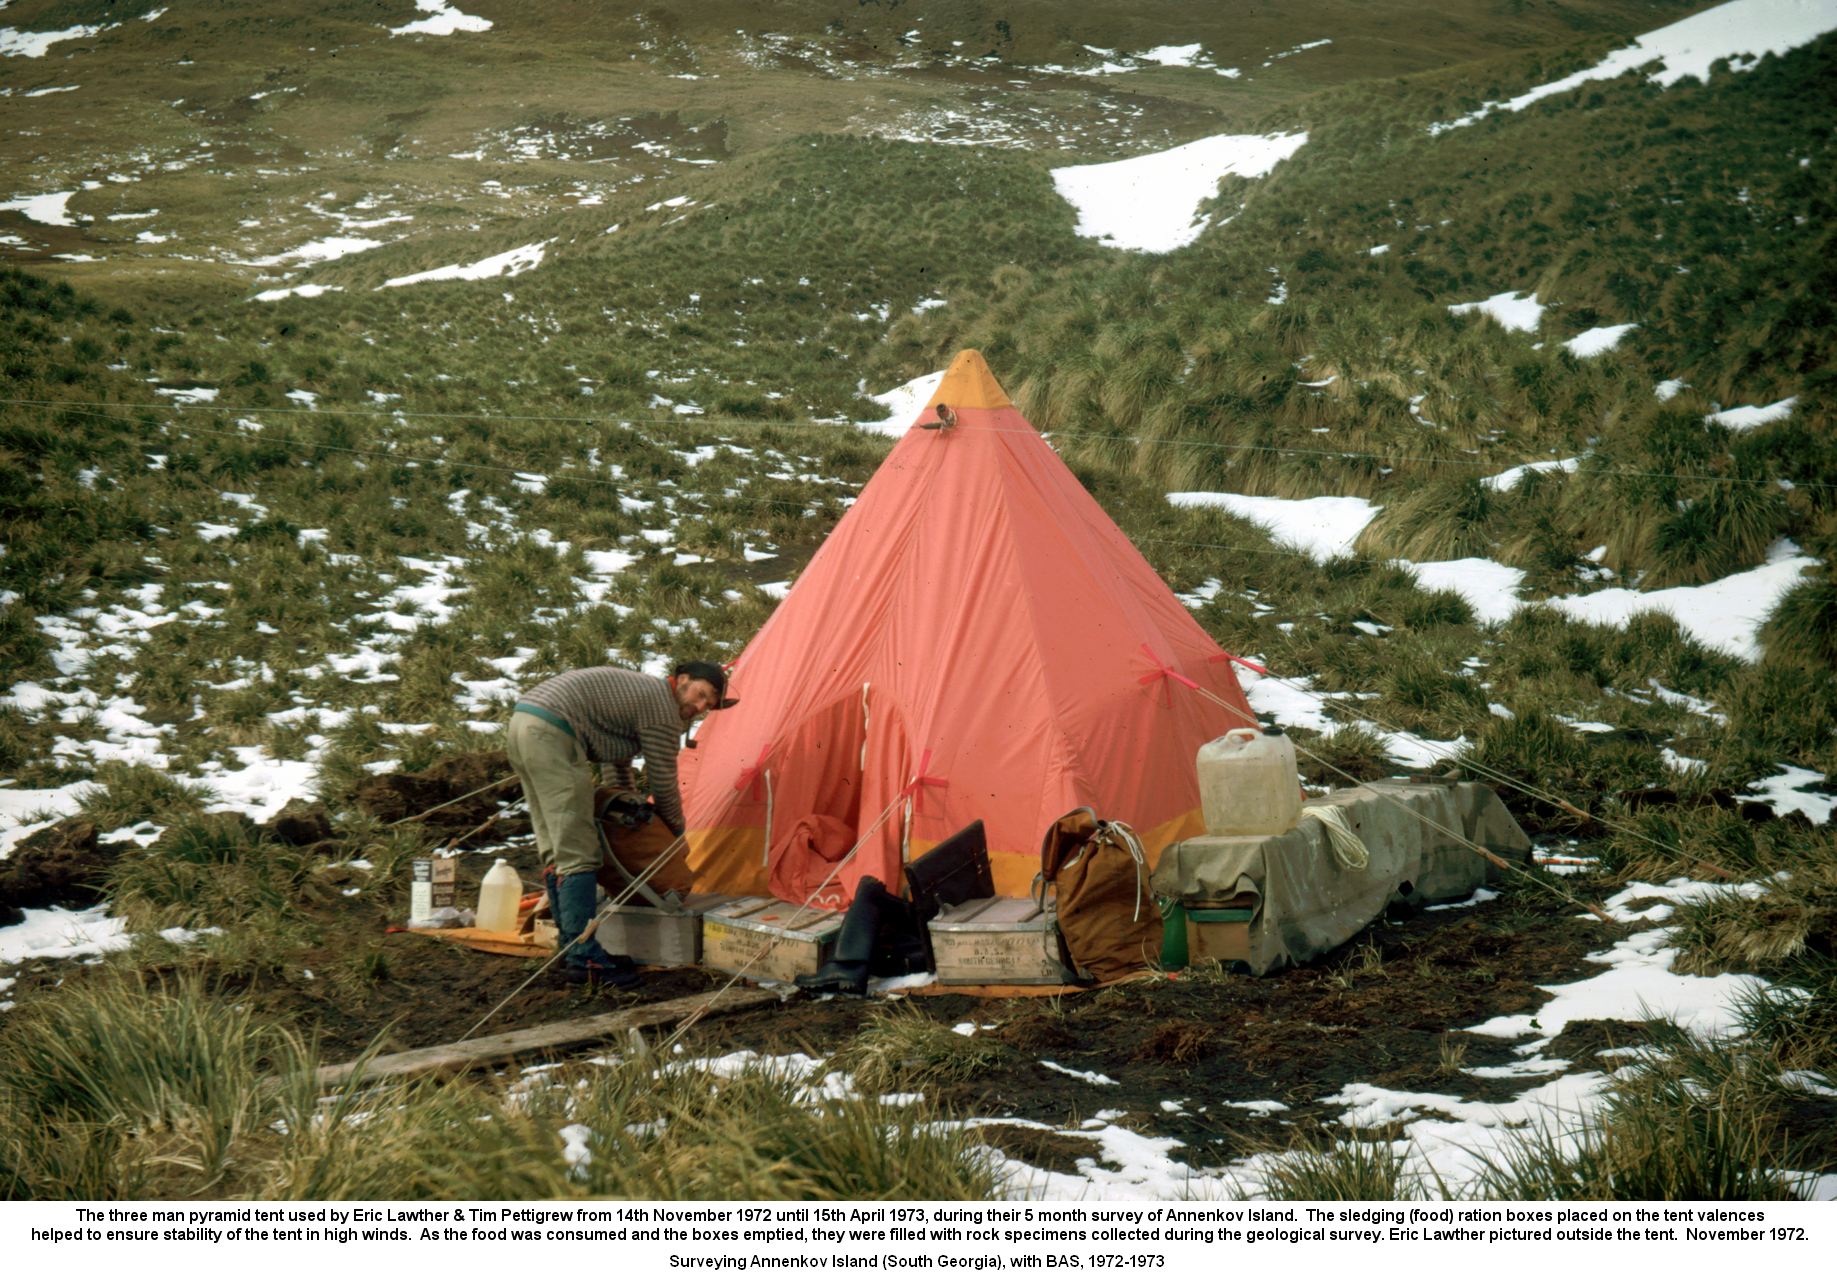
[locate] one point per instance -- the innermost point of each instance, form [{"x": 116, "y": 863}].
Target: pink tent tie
[
  {"x": 921, "y": 780},
  {"x": 1227, "y": 657},
  {"x": 1164, "y": 673}
]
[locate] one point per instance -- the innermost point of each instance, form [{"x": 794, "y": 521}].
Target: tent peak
[{"x": 969, "y": 383}]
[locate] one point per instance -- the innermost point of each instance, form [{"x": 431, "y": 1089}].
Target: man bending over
[{"x": 558, "y": 731}]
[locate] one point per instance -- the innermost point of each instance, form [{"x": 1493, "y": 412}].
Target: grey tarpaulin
[{"x": 1307, "y": 902}]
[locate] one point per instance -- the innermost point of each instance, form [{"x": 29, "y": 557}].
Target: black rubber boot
[
  {"x": 575, "y": 898},
  {"x": 835, "y": 978},
  {"x": 847, "y": 970}
]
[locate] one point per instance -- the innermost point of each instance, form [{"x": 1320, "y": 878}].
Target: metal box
[
  {"x": 665, "y": 938},
  {"x": 998, "y": 941},
  {"x": 766, "y": 939}
]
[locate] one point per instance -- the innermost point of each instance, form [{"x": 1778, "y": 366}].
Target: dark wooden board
[{"x": 494, "y": 1049}]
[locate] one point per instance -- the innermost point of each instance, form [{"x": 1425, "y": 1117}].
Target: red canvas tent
[{"x": 975, "y": 639}]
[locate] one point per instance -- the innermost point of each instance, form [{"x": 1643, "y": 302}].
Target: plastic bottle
[
  {"x": 498, "y": 898},
  {"x": 1248, "y": 784}
]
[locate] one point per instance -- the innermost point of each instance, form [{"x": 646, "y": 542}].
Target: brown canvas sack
[{"x": 1098, "y": 875}]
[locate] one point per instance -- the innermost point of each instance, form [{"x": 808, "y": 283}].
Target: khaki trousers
[{"x": 558, "y": 784}]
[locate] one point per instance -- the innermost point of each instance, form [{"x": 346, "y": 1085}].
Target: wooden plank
[
  {"x": 521, "y": 945},
  {"x": 493, "y": 1049}
]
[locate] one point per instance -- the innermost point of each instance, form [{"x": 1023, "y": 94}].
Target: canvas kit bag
[{"x": 1096, "y": 874}]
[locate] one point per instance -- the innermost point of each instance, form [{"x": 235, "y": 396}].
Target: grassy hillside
[{"x": 247, "y": 538}]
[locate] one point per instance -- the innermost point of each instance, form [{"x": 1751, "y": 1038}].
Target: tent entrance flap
[{"x": 832, "y": 790}]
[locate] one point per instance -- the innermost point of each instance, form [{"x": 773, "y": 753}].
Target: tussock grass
[
  {"x": 1796, "y": 1021},
  {"x": 750, "y": 304},
  {"x": 1535, "y": 748},
  {"x": 900, "y": 1048},
  {"x": 1803, "y": 627},
  {"x": 127, "y": 794},
  {"x": 1691, "y": 1120},
  {"x": 1657, "y": 841},
  {"x": 1438, "y": 521},
  {"x": 1350, "y": 750},
  {"x": 1323, "y": 1168},
  {"x": 124, "y": 1085},
  {"x": 169, "y": 1090},
  {"x": 212, "y": 870},
  {"x": 1793, "y": 917}
]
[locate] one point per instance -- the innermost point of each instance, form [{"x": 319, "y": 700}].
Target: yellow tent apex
[{"x": 969, "y": 383}]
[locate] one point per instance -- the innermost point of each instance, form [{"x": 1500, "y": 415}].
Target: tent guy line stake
[{"x": 1484, "y": 852}]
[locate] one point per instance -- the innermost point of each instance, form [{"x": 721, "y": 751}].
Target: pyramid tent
[{"x": 975, "y": 639}]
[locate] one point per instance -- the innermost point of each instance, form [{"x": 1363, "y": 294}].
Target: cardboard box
[
  {"x": 766, "y": 939},
  {"x": 420, "y": 891},
  {"x": 445, "y": 880},
  {"x": 671, "y": 939},
  {"x": 998, "y": 941},
  {"x": 433, "y": 885}
]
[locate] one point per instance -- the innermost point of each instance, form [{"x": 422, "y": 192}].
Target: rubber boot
[
  {"x": 847, "y": 970},
  {"x": 575, "y": 900}
]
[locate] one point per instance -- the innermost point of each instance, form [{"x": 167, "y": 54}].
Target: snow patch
[
  {"x": 46, "y": 209},
  {"x": 329, "y": 248},
  {"x": 1490, "y": 587},
  {"x": 1725, "y": 614},
  {"x": 1741, "y": 419},
  {"x": 1597, "y": 340},
  {"x": 261, "y": 786},
  {"x": 1151, "y": 203},
  {"x": 1742, "y": 31},
  {"x": 503, "y": 265},
  {"x": 1324, "y": 527},
  {"x": 305, "y": 290},
  {"x": 442, "y": 19},
  {"x": 902, "y": 405},
  {"x": 1785, "y": 793},
  {"x": 1514, "y": 311},
  {"x": 15, "y": 43},
  {"x": 60, "y": 934},
  {"x": 1510, "y": 478}
]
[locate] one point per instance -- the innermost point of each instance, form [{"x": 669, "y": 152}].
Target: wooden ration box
[
  {"x": 998, "y": 941},
  {"x": 670, "y": 938},
  {"x": 766, "y": 939}
]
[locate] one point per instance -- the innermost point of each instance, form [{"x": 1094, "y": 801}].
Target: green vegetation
[
  {"x": 898, "y": 1046},
  {"x": 401, "y": 502},
  {"x": 126, "y": 1088}
]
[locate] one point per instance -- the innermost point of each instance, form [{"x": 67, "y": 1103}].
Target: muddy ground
[
  {"x": 1387, "y": 1010},
  {"x": 1379, "y": 1011}
]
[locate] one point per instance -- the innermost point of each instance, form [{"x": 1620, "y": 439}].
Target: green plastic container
[{"x": 1173, "y": 935}]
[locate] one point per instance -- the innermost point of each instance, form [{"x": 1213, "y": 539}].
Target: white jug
[
  {"x": 498, "y": 898},
  {"x": 1248, "y": 784}
]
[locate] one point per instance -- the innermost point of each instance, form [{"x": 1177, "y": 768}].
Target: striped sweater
[{"x": 618, "y": 714}]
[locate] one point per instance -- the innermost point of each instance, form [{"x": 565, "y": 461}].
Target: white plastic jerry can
[
  {"x": 498, "y": 898},
  {"x": 1248, "y": 784}
]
